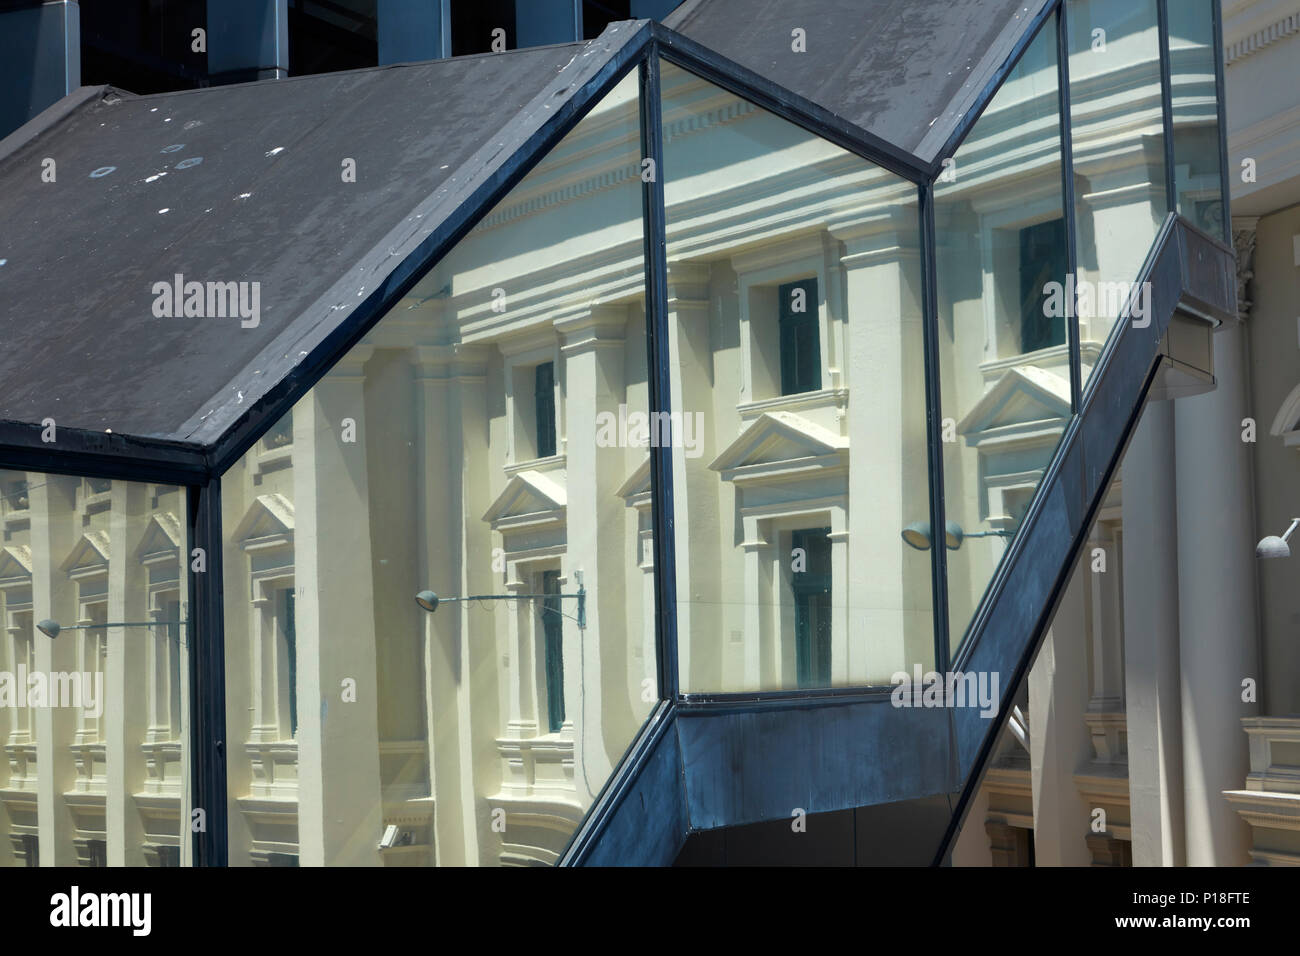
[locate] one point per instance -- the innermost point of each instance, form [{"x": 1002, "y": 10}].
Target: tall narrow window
[
  {"x": 801, "y": 360},
  {"x": 288, "y": 635},
  {"x": 173, "y": 659},
  {"x": 553, "y": 637},
  {"x": 31, "y": 849},
  {"x": 811, "y": 583},
  {"x": 544, "y": 403},
  {"x": 1042, "y": 261}
]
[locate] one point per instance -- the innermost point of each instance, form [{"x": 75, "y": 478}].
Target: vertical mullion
[
  {"x": 207, "y": 676},
  {"x": 1220, "y": 81},
  {"x": 658, "y": 374},
  {"x": 1167, "y": 106},
  {"x": 934, "y": 429},
  {"x": 1067, "y": 203}
]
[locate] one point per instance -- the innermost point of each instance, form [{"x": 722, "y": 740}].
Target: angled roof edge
[
  {"x": 758, "y": 89},
  {"x": 996, "y": 65},
  {"x": 291, "y": 364},
  {"x": 53, "y": 115},
  {"x": 392, "y": 267},
  {"x": 942, "y": 140}
]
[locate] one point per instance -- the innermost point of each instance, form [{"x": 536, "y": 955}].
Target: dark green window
[
  {"x": 801, "y": 357},
  {"x": 288, "y": 630},
  {"x": 553, "y": 638},
  {"x": 1042, "y": 260},
  {"x": 544, "y": 403},
  {"x": 811, "y": 552}
]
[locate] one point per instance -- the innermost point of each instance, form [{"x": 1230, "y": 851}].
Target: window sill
[
  {"x": 837, "y": 398},
  {"x": 544, "y": 465}
]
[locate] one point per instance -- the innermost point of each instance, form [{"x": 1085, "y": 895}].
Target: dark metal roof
[
  {"x": 238, "y": 184},
  {"x": 908, "y": 71}
]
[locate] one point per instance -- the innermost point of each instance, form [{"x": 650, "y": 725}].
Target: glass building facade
[{"x": 677, "y": 419}]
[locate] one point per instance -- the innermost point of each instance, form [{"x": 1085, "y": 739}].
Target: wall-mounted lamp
[
  {"x": 430, "y": 601},
  {"x": 51, "y": 629},
  {"x": 1275, "y": 547},
  {"x": 917, "y": 534}
]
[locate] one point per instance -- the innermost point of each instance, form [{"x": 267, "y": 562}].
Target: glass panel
[
  {"x": 94, "y": 707},
  {"x": 1116, "y": 123},
  {"x": 1003, "y": 351},
  {"x": 795, "y": 279},
  {"x": 440, "y": 455},
  {"x": 1196, "y": 118}
]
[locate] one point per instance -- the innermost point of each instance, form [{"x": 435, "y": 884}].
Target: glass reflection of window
[
  {"x": 796, "y": 328},
  {"x": 450, "y": 382},
  {"x": 92, "y": 659},
  {"x": 552, "y": 626},
  {"x": 1120, "y": 191},
  {"x": 811, "y": 584},
  {"x": 1042, "y": 261},
  {"x": 1003, "y": 354},
  {"x": 801, "y": 360},
  {"x": 544, "y": 408},
  {"x": 165, "y": 701},
  {"x": 1197, "y": 149},
  {"x": 286, "y": 633}
]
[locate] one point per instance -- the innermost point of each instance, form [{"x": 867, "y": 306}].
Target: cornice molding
[
  {"x": 609, "y": 178},
  {"x": 1261, "y": 38}
]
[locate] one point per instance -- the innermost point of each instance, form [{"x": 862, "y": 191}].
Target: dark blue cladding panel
[
  {"x": 748, "y": 765},
  {"x": 648, "y": 827}
]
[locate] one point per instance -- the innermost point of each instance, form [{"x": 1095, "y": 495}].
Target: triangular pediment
[
  {"x": 1022, "y": 396},
  {"x": 161, "y": 537},
  {"x": 15, "y": 561},
  {"x": 777, "y": 439},
  {"x": 528, "y": 494},
  {"x": 637, "y": 484},
  {"x": 91, "y": 553},
  {"x": 268, "y": 517}
]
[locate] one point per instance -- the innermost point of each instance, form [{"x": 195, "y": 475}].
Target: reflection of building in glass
[
  {"x": 848, "y": 340},
  {"x": 103, "y": 749}
]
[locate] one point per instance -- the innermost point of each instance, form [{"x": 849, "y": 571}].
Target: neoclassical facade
[
  {"x": 1159, "y": 714},
  {"x": 488, "y": 441}
]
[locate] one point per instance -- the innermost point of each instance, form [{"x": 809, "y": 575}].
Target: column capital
[
  {"x": 595, "y": 327},
  {"x": 449, "y": 362}
]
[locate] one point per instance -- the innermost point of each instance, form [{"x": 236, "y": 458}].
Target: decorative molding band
[
  {"x": 694, "y": 123},
  {"x": 1267, "y": 36}
]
